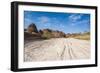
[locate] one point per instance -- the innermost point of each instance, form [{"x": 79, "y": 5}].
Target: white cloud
[
  {"x": 61, "y": 25},
  {"x": 83, "y": 22},
  {"x": 28, "y": 20},
  {"x": 73, "y": 24},
  {"x": 43, "y": 19},
  {"x": 75, "y": 17},
  {"x": 47, "y": 24}
]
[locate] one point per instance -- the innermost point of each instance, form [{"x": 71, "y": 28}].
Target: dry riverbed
[{"x": 56, "y": 49}]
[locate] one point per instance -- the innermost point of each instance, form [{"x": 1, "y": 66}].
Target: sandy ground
[{"x": 56, "y": 49}]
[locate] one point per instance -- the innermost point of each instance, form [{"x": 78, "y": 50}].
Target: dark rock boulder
[
  {"x": 32, "y": 28},
  {"x": 40, "y": 31}
]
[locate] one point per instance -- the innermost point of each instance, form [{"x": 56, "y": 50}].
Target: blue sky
[{"x": 66, "y": 22}]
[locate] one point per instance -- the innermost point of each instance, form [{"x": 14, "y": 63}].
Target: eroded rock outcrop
[
  {"x": 32, "y": 32},
  {"x": 32, "y": 28}
]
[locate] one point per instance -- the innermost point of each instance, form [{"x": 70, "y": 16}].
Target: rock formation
[
  {"x": 51, "y": 33},
  {"x": 32, "y": 28},
  {"x": 32, "y": 32}
]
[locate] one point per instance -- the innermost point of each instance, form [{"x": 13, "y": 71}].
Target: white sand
[{"x": 57, "y": 49}]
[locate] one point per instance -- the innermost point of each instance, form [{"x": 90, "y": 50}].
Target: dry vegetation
[{"x": 84, "y": 36}]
